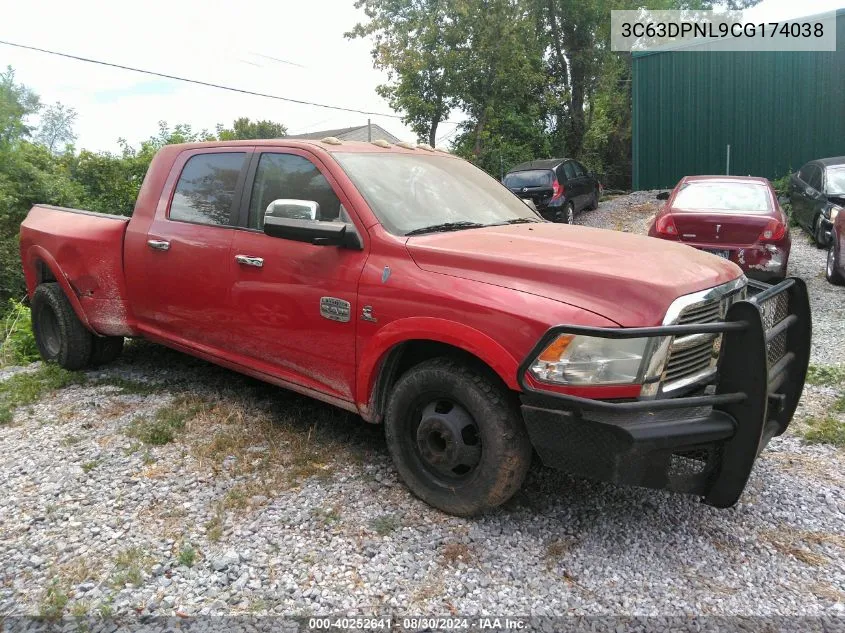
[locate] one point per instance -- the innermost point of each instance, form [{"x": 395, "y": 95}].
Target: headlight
[{"x": 592, "y": 360}]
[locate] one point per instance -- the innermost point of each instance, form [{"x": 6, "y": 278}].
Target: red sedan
[{"x": 733, "y": 217}]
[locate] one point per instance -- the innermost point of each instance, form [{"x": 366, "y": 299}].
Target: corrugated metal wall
[{"x": 777, "y": 110}]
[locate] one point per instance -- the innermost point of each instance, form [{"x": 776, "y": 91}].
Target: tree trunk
[{"x": 479, "y": 128}]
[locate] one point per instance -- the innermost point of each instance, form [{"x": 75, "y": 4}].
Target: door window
[
  {"x": 815, "y": 180},
  {"x": 206, "y": 188},
  {"x": 804, "y": 174},
  {"x": 579, "y": 169},
  {"x": 569, "y": 170},
  {"x": 291, "y": 177}
]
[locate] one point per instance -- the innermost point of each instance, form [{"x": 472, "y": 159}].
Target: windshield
[
  {"x": 410, "y": 192},
  {"x": 529, "y": 178},
  {"x": 723, "y": 196},
  {"x": 836, "y": 180}
]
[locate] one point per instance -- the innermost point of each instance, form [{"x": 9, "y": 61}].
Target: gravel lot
[{"x": 270, "y": 503}]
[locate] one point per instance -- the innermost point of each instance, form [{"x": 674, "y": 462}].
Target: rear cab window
[
  {"x": 835, "y": 185},
  {"x": 529, "y": 178},
  {"x": 724, "y": 196},
  {"x": 205, "y": 192}
]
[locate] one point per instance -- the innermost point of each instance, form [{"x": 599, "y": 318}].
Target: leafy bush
[{"x": 17, "y": 346}]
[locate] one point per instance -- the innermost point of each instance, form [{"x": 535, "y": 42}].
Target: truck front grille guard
[{"x": 760, "y": 376}]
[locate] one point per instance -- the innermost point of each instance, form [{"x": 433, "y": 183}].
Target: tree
[
  {"x": 418, "y": 43},
  {"x": 244, "y": 129},
  {"x": 17, "y": 103},
  {"x": 56, "y": 127}
]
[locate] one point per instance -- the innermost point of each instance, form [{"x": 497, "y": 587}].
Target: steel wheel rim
[
  {"x": 446, "y": 440},
  {"x": 570, "y": 215},
  {"x": 830, "y": 260},
  {"x": 49, "y": 327}
]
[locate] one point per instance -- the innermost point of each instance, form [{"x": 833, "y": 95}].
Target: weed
[
  {"x": 326, "y": 516},
  {"x": 187, "y": 555},
  {"x": 27, "y": 388},
  {"x": 70, "y": 440},
  {"x": 79, "y": 610},
  {"x": 106, "y": 610},
  {"x": 17, "y": 345},
  {"x": 53, "y": 603},
  {"x": 826, "y": 375},
  {"x": 454, "y": 552},
  {"x": 87, "y": 467},
  {"x": 826, "y": 430},
  {"x": 129, "y": 567},
  {"x": 839, "y": 405},
  {"x": 162, "y": 427},
  {"x": 214, "y": 528},
  {"x": 384, "y": 524}
]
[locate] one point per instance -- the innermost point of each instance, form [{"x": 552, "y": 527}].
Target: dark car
[
  {"x": 558, "y": 187},
  {"x": 734, "y": 217},
  {"x": 817, "y": 194}
]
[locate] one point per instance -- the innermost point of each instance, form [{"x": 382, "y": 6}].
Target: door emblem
[
  {"x": 334, "y": 309},
  {"x": 367, "y": 314}
]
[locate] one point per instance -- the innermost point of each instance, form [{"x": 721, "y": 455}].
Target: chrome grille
[{"x": 694, "y": 357}]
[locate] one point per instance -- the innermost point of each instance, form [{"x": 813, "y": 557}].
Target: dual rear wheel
[{"x": 60, "y": 335}]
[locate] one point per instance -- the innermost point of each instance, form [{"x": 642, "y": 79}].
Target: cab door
[
  {"x": 295, "y": 303},
  {"x": 179, "y": 275}
]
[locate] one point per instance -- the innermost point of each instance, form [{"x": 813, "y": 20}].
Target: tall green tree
[
  {"x": 418, "y": 43},
  {"x": 17, "y": 104},
  {"x": 244, "y": 129},
  {"x": 55, "y": 131}
]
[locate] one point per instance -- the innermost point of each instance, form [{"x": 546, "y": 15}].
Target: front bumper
[{"x": 705, "y": 443}]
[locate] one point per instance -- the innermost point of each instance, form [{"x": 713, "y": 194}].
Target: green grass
[
  {"x": 129, "y": 567},
  {"x": 826, "y": 375},
  {"x": 87, "y": 467},
  {"x": 826, "y": 430},
  {"x": 187, "y": 555},
  {"x": 384, "y": 524},
  {"x": 166, "y": 423},
  {"x": 53, "y": 604},
  {"x": 27, "y": 388},
  {"x": 17, "y": 345}
]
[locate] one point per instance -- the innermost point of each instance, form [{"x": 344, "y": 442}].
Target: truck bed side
[{"x": 83, "y": 252}]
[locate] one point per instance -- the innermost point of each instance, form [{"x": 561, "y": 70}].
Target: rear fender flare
[
  {"x": 436, "y": 330},
  {"x": 37, "y": 253}
]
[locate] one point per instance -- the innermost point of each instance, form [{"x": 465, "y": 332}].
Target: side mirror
[
  {"x": 313, "y": 232},
  {"x": 293, "y": 209},
  {"x": 663, "y": 195}
]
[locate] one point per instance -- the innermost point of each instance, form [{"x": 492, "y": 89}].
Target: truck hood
[{"x": 629, "y": 279}]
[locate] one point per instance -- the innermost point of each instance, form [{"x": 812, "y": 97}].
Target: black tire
[
  {"x": 457, "y": 437},
  {"x": 594, "y": 201},
  {"x": 831, "y": 272},
  {"x": 570, "y": 213},
  {"x": 818, "y": 233},
  {"x": 105, "y": 349},
  {"x": 59, "y": 334}
]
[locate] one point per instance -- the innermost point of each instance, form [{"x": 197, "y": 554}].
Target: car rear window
[
  {"x": 530, "y": 178},
  {"x": 723, "y": 196}
]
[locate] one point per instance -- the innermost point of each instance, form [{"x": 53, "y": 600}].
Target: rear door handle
[
  {"x": 246, "y": 260},
  {"x": 159, "y": 245}
]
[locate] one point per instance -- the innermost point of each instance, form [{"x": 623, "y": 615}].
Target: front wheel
[
  {"x": 456, "y": 437},
  {"x": 832, "y": 273}
]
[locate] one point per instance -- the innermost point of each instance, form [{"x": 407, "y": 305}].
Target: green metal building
[{"x": 776, "y": 110}]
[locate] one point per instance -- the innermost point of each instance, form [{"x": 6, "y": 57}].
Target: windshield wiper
[
  {"x": 520, "y": 221},
  {"x": 446, "y": 226}
]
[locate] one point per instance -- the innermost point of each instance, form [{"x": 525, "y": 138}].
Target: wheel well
[
  {"x": 410, "y": 353},
  {"x": 43, "y": 274}
]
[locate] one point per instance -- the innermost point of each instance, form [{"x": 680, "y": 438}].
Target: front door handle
[
  {"x": 246, "y": 260},
  {"x": 159, "y": 245}
]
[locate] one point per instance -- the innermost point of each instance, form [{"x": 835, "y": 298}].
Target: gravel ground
[{"x": 270, "y": 503}]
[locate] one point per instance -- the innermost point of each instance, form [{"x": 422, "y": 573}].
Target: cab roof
[{"x": 330, "y": 146}]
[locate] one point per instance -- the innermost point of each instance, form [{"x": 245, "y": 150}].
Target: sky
[{"x": 229, "y": 43}]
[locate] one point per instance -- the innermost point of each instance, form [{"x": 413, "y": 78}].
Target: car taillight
[
  {"x": 666, "y": 226},
  {"x": 557, "y": 189},
  {"x": 774, "y": 231}
]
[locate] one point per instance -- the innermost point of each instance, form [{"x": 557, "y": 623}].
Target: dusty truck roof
[{"x": 329, "y": 144}]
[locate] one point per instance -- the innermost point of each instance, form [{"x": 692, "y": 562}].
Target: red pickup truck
[{"x": 406, "y": 285}]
